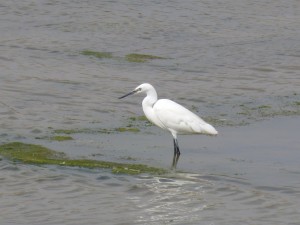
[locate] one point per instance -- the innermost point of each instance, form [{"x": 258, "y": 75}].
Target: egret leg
[{"x": 176, "y": 154}]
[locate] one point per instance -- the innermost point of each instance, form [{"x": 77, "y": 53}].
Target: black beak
[{"x": 130, "y": 93}]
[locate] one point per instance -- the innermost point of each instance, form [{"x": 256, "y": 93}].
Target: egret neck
[{"x": 148, "y": 104}]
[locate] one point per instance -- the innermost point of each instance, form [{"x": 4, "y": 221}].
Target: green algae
[
  {"x": 99, "y": 55},
  {"x": 297, "y": 103},
  {"x": 133, "y": 57},
  {"x": 252, "y": 112},
  {"x": 83, "y": 130},
  {"x": 267, "y": 111},
  {"x": 139, "y": 121},
  {"x": 262, "y": 69},
  {"x": 68, "y": 131},
  {"x": 61, "y": 138},
  {"x": 29, "y": 153},
  {"x": 138, "y": 118},
  {"x": 128, "y": 129},
  {"x": 39, "y": 155},
  {"x": 55, "y": 138},
  {"x": 140, "y": 58}
]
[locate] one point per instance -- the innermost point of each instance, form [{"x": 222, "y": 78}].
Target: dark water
[{"x": 234, "y": 61}]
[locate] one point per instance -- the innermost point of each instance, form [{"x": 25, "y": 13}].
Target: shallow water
[
  {"x": 233, "y": 61},
  {"x": 240, "y": 183},
  {"x": 219, "y": 56}
]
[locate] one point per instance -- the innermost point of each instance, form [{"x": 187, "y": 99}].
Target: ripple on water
[
  {"x": 236, "y": 61},
  {"x": 168, "y": 200},
  {"x": 51, "y": 195},
  {"x": 54, "y": 195},
  {"x": 194, "y": 199}
]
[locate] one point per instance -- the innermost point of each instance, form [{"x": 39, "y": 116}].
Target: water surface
[{"x": 233, "y": 62}]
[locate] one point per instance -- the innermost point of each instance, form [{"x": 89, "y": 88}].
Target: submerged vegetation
[
  {"x": 94, "y": 131},
  {"x": 246, "y": 113},
  {"x": 242, "y": 112},
  {"x": 100, "y": 55},
  {"x": 61, "y": 138},
  {"x": 55, "y": 138},
  {"x": 82, "y": 130},
  {"x": 128, "y": 129},
  {"x": 133, "y": 57},
  {"x": 39, "y": 155},
  {"x": 139, "y": 58},
  {"x": 133, "y": 125}
]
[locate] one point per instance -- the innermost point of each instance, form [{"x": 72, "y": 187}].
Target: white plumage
[
  {"x": 171, "y": 116},
  {"x": 178, "y": 119}
]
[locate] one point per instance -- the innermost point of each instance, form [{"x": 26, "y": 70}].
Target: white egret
[{"x": 171, "y": 116}]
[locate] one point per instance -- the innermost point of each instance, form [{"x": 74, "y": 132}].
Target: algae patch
[
  {"x": 100, "y": 55},
  {"x": 139, "y": 121},
  {"x": 138, "y": 118},
  {"x": 37, "y": 154},
  {"x": 128, "y": 129},
  {"x": 132, "y": 57},
  {"x": 132, "y": 125},
  {"x": 61, "y": 138},
  {"x": 56, "y": 138},
  {"x": 297, "y": 103},
  {"x": 29, "y": 153},
  {"x": 140, "y": 58}
]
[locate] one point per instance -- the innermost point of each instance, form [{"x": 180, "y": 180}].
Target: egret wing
[{"x": 179, "y": 119}]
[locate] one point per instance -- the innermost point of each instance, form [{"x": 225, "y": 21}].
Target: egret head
[{"x": 143, "y": 88}]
